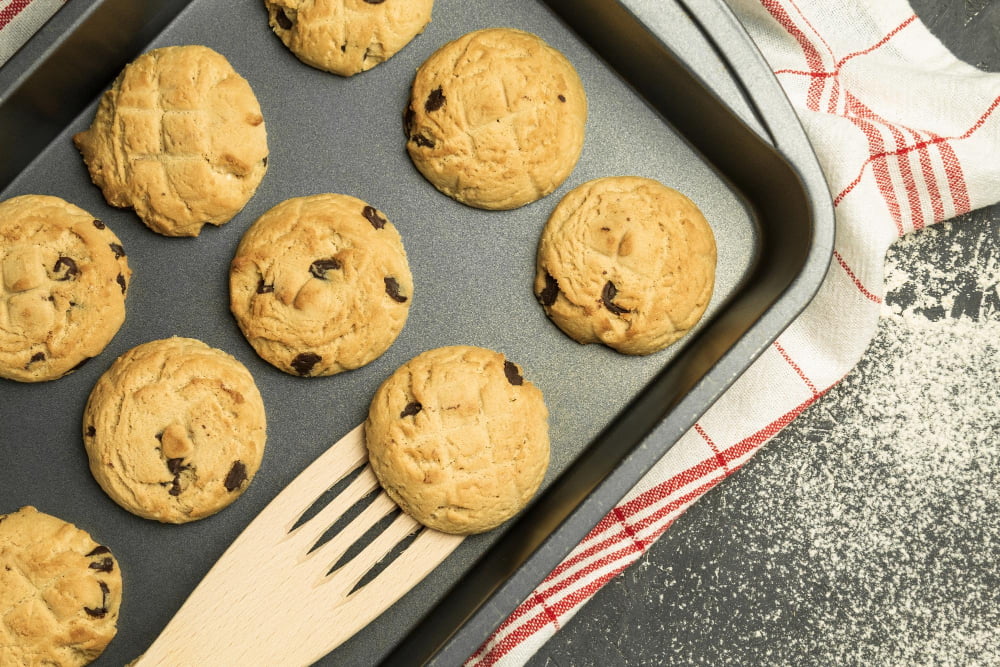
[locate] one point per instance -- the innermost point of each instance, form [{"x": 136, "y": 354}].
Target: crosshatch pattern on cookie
[{"x": 180, "y": 138}]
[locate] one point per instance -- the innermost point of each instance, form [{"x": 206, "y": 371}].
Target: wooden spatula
[{"x": 272, "y": 599}]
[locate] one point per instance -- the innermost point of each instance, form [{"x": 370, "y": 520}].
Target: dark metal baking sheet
[{"x": 472, "y": 271}]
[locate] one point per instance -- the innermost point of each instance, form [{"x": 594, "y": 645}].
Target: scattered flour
[{"x": 895, "y": 494}]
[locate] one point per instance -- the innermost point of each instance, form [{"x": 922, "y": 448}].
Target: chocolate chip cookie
[
  {"x": 496, "y": 118},
  {"x": 62, "y": 295},
  {"x": 321, "y": 284},
  {"x": 60, "y": 592},
  {"x": 459, "y": 438},
  {"x": 627, "y": 262},
  {"x": 347, "y": 36},
  {"x": 180, "y": 138},
  {"x": 174, "y": 430}
]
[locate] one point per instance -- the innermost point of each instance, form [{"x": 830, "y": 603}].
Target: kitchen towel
[
  {"x": 20, "y": 19},
  {"x": 907, "y": 135}
]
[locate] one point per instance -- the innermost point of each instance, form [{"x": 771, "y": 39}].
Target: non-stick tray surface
[{"x": 472, "y": 271}]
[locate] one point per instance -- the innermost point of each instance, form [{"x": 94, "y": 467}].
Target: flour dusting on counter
[{"x": 895, "y": 497}]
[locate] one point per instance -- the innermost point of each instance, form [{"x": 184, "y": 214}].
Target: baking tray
[{"x": 655, "y": 72}]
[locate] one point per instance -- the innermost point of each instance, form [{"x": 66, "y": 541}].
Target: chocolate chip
[
  {"x": 435, "y": 100},
  {"x": 562, "y": 98},
  {"x": 421, "y": 140},
  {"x": 392, "y": 289},
  {"x": 37, "y": 356},
  {"x": 372, "y": 216},
  {"x": 374, "y": 2},
  {"x": 411, "y": 409},
  {"x": 99, "y": 224},
  {"x": 69, "y": 265},
  {"x": 408, "y": 121},
  {"x": 608, "y": 295},
  {"x": 121, "y": 281},
  {"x": 101, "y": 611},
  {"x": 98, "y": 550},
  {"x": 321, "y": 266},
  {"x": 264, "y": 288},
  {"x": 118, "y": 250},
  {"x": 103, "y": 565},
  {"x": 282, "y": 18},
  {"x": 91, "y": 431},
  {"x": 237, "y": 475},
  {"x": 264, "y": 161},
  {"x": 304, "y": 362},
  {"x": 513, "y": 375},
  {"x": 548, "y": 295},
  {"x": 175, "y": 466}
]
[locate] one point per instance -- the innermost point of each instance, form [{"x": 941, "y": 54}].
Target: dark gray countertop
[{"x": 843, "y": 542}]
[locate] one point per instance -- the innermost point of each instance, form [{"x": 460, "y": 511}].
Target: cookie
[
  {"x": 347, "y": 36},
  {"x": 458, "y": 438},
  {"x": 174, "y": 430},
  {"x": 627, "y": 262},
  {"x": 180, "y": 138},
  {"x": 60, "y": 592},
  {"x": 496, "y": 119},
  {"x": 321, "y": 284},
  {"x": 62, "y": 295}
]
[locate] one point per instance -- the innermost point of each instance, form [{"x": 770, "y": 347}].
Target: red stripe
[
  {"x": 952, "y": 165},
  {"x": 831, "y": 105},
  {"x": 8, "y": 13},
  {"x": 871, "y": 297},
  {"x": 956, "y": 178},
  {"x": 930, "y": 180},
  {"x": 669, "y": 487},
  {"x": 795, "y": 367},
  {"x": 912, "y": 192},
  {"x": 548, "y": 612},
  {"x": 813, "y": 58},
  {"x": 882, "y": 42},
  {"x": 712, "y": 445},
  {"x": 877, "y": 156},
  {"x": 628, "y": 529}
]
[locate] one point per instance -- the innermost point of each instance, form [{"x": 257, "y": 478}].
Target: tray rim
[
  {"x": 784, "y": 128},
  {"x": 784, "y": 131}
]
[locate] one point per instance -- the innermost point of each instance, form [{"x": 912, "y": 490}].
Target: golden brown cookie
[
  {"x": 180, "y": 138},
  {"x": 60, "y": 592},
  {"x": 347, "y": 36},
  {"x": 627, "y": 262},
  {"x": 321, "y": 284},
  {"x": 62, "y": 295},
  {"x": 496, "y": 118},
  {"x": 174, "y": 430},
  {"x": 458, "y": 438}
]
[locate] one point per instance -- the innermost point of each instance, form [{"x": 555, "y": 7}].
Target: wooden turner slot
[{"x": 314, "y": 567}]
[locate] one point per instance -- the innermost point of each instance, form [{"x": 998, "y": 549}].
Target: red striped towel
[{"x": 907, "y": 136}]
